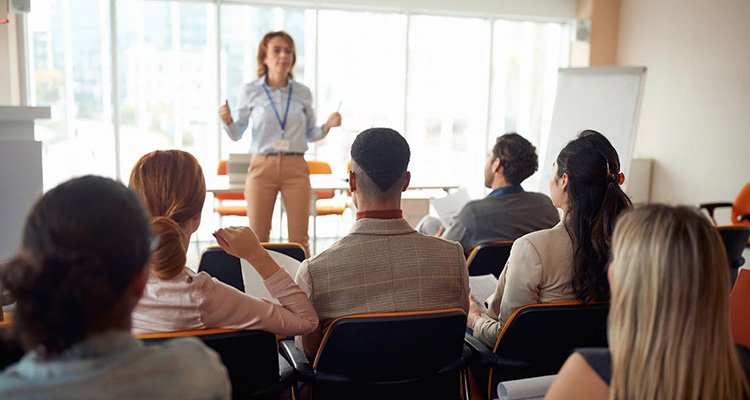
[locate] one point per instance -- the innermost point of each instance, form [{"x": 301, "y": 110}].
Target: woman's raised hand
[
  {"x": 333, "y": 121},
  {"x": 241, "y": 242},
  {"x": 224, "y": 113}
]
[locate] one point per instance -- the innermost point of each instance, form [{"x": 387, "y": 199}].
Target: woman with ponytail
[
  {"x": 567, "y": 261},
  {"x": 80, "y": 272},
  {"x": 668, "y": 328},
  {"x": 171, "y": 185}
]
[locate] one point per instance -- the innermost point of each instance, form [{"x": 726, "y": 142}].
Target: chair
[
  {"x": 401, "y": 355},
  {"x": 323, "y": 203},
  {"x": 256, "y": 370},
  {"x": 294, "y": 250},
  {"x": 228, "y": 268},
  {"x": 740, "y": 213},
  {"x": 739, "y": 309},
  {"x": 489, "y": 258},
  {"x": 225, "y": 209},
  {"x": 222, "y": 266},
  {"x": 536, "y": 340},
  {"x": 735, "y": 240},
  {"x": 10, "y": 352}
]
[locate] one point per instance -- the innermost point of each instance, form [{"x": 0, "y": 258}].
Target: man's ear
[
  {"x": 406, "y": 181},
  {"x": 499, "y": 166},
  {"x": 352, "y": 181}
]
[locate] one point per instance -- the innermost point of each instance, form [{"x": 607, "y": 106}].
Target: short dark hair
[
  {"x": 83, "y": 243},
  {"x": 517, "y": 155},
  {"x": 383, "y": 154}
]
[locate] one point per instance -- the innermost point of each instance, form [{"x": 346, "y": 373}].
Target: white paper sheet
[
  {"x": 482, "y": 286},
  {"x": 448, "y": 207},
  {"x": 254, "y": 283},
  {"x": 525, "y": 389}
]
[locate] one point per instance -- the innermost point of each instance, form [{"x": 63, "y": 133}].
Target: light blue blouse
[
  {"x": 254, "y": 106},
  {"x": 115, "y": 365}
]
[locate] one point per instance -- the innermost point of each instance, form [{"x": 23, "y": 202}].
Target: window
[
  {"x": 448, "y": 80},
  {"x": 362, "y": 65},
  {"x": 166, "y": 94},
  {"x": 449, "y": 84},
  {"x": 69, "y": 70},
  {"x": 526, "y": 56}
]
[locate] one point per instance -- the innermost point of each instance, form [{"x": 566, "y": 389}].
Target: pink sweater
[{"x": 198, "y": 301}]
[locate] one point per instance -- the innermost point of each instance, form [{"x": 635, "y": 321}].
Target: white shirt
[{"x": 254, "y": 106}]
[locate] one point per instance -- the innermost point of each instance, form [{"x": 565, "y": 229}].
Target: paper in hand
[{"x": 449, "y": 206}]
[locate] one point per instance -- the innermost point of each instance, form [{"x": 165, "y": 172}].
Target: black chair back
[
  {"x": 735, "y": 239},
  {"x": 538, "y": 338},
  {"x": 222, "y": 266},
  {"x": 489, "y": 258},
  {"x": 251, "y": 358},
  {"x": 294, "y": 250},
  {"x": 381, "y": 356}
]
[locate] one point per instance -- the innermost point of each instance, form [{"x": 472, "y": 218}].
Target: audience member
[
  {"x": 80, "y": 272},
  {"x": 508, "y": 212},
  {"x": 566, "y": 262},
  {"x": 668, "y": 327},
  {"x": 172, "y": 187},
  {"x": 383, "y": 264}
]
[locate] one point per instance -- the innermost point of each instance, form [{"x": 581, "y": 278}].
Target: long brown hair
[
  {"x": 669, "y": 320},
  {"x": 171, "y": 185},
  {"x": 262, "y": 69},
  {"x": 595, "y": 199}
]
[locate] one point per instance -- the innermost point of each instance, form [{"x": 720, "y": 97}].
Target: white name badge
[{"x": 282, "y": 145}]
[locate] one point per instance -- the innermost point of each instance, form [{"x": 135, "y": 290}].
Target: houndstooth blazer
[{"x": 382, "y": 265}]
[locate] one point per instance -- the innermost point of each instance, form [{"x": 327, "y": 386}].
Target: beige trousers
[{"x": 269, "y": 174}]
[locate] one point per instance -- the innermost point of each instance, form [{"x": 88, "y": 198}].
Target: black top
[{"x": 600, "y": 360}]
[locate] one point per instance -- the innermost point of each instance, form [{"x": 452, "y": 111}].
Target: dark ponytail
[
  {"x": 595, "y": 200},
  {"x": 83, "y": 244}
]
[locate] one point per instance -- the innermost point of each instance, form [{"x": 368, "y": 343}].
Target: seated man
[
  {"x": 383, "y": 264},
  {"x": 508, "y": 212}
]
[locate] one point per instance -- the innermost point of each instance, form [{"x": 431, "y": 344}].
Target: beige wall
[
  {"x": 605, "y": 17},
  {"x": 695, "y": 115}
]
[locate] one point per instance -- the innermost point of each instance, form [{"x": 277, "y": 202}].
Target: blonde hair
[
  {"x": 172, "y": 187},
  {"x": 262, "y": 69},
  {"x": 669, "y": 321}
]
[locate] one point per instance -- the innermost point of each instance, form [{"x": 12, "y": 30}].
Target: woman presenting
[{"x": 283, "y": 121}]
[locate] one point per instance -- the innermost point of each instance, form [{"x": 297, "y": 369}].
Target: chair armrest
[
  {"x": 297, "y": 358},
  {"x": 485, "y": 357},
  {"x": 459, "y": 363},
  {"x": 303, "y": 369},
  {"x": 480, "y": 352},
  {"x": 710, "y": 207}
]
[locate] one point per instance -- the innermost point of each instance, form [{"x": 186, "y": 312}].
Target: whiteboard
[{"x": 605, "y": 99}]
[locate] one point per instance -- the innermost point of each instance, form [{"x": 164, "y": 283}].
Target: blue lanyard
[{"x": 282, "y": 123}]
